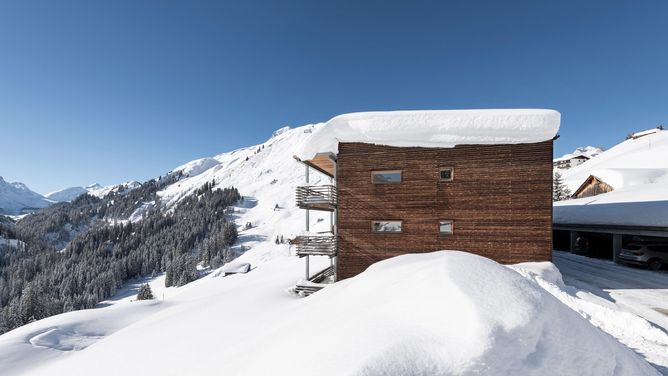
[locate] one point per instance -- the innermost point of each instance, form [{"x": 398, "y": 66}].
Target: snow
[
  {"x": 637, "y": 169},
  {"x": 645, "y": 205},
  {"x": 438, "y": 128},
  {"x": 100, "y": 191},
  {"x": 613, "y": 296},
  {"x": 413, "y": 314},
  {"x": 236, "y": 267},
  {"x": 632, "y": 162},
  {"x": 67, "y": 194},
  {"x": 17, "y": 198},
  {"x": 196, "y": 167}
]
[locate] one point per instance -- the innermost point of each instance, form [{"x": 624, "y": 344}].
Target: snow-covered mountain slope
[
  {"x": 587, "y": 151},
  {"x": 266, "y": 175},
  {"x": 637, "y": 169},
  {"x": 633, "y": 162},
  {"x": 17, "y": 198},
  {"x": 67, "y": 194}
]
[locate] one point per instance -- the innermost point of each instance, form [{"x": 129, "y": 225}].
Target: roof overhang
[{"x": 322, "y": 162}]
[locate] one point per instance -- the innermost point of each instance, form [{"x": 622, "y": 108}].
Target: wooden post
[
  {"x": 616, "y": 247},
  {"x": 308, "y": 224}
]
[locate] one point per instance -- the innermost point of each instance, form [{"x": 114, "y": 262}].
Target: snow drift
[
  {"x": 438, "y": 128},
  {"x": 420, "y": 314},
  {"x": 442, "y": 313}
]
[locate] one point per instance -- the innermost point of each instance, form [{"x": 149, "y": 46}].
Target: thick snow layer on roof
[
  {"x": 640, "y": 205},
  {"x": 438, "y": 128}
]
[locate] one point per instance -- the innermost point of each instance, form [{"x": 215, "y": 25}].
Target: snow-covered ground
[
  {"x": 638, "y": 290},
  {"x": 415, "y": 314}
]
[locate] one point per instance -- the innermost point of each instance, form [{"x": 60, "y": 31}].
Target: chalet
[
  {"x": 592, "y": 186},
  {"x": 570, "y": 160},
  {"x": 421, "y": 181}
]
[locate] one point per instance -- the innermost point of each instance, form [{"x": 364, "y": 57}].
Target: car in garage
[{"x": 654, "y": 255}]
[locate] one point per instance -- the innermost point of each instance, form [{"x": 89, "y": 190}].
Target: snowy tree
[
  {"x": 560, "y": 191},
  {"x": 145, "y": 292}
]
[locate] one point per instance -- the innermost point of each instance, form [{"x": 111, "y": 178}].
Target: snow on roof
[
  {"x": 434, "y": 128},
  {"x": 645, "y": 132},
  {"x": 632, "y": 162},
  {"x": 640, "y": 205}
]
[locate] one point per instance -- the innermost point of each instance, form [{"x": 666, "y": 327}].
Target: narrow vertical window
[
  {"x": 445, "y": 227},
  {"x": 385, "y": 227},
  {"x": 446, "y": 174},
  {"x": 386, "y": 177}
]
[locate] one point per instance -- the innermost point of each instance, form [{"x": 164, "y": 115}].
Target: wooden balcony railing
[
  {"x": 317, "y": 197},
  {"x": 316, "y": 245}
]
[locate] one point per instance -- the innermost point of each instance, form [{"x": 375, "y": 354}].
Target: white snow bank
[
  {"x": 437, "y": 314},
  {"x": 438, "y": 128},
  {"x": 630, "y": 329},
  {"x": 420, "y": 314}
]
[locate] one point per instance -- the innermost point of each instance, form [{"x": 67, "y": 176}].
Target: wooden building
[
  {"x": 592, "y": 186},
  {"x": 494, "y": 200}
]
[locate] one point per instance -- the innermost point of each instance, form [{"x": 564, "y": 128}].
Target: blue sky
[{"x": 94, "y": 91}]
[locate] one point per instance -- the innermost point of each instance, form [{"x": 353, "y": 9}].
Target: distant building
[
  {"x": 644, "y": 133},
  {"x": 492, "y": 199},
  {"x": 592, "y": 186},
  {"x": 570, "y": 161}
]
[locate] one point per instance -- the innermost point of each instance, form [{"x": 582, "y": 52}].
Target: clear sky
[{"x": 109, "y": 91}]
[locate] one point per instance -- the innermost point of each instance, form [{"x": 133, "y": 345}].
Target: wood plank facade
[{"x": 499, "y": 199}]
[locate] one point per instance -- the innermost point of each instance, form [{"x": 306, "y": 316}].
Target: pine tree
[
  {"x": 145, "y": 292},
  {"x": 560, "y": 191}
]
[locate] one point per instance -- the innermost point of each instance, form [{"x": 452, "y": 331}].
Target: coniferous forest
[{"x": 74, "y": 255}]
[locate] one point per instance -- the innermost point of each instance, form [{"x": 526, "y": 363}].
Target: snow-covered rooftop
[{"x": 434, "y": 128}]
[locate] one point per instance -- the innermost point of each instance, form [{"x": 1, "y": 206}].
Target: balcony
[
  {"x": 316, "y": 246},
  {"x": 317, "y": 197}
]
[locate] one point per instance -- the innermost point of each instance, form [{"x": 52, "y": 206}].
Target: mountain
[
  {"x": 17, "y": 198},
  {"x": 69, "y": 194},
  {"x": 66, "y": 195},
  {"x": 587, "y": 151}
]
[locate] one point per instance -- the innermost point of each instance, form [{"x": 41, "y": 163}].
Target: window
[
  {"x": 445, "y": 227},
  {"x": 386, "y": 177},
  {"x": 446, "y": 173},
  {"x": 383, "y": 227}
]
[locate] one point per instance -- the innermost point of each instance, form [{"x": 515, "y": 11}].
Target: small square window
[
  {"x": 386, "y": 227},
  {"x": 386, "y": 177},
  {"x": 446, "y": 174},
  {"x": 446, "y": 227}
]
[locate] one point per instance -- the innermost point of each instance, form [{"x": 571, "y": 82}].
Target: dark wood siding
[{"x": 500, "y": 201}]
